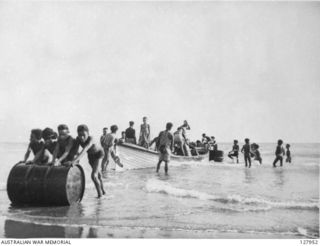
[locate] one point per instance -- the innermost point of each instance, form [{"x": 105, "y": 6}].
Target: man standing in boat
[
  {"x": 186, "y": 127},
  {"x": 165, "y": 147},
  {"x": 144, "y": 137},
  {"x": 131, "y": 134},
  {"x": 179, "y": 142}
]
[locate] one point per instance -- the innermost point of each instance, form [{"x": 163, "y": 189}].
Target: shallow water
[{"x": 196, "y": 200}]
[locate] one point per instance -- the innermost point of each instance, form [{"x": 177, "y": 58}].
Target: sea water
[{"x": 196, "y": 200}]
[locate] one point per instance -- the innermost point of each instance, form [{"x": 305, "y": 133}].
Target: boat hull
[{"x": 136, "y": 157}]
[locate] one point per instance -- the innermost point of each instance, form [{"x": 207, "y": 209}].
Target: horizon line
[{"x": 274, "y": 142}]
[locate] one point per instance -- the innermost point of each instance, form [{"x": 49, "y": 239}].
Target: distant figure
[
  {"x": 123, "y": 138},
  {"x": 193, "y": 150},
  {"x": 198, "y": 143},
  {"x": 144, "y": 137},
  {"x": 45, "y": 156},
  {"x": 256, "y": 152},
  {"x": 109, "y": 149},
  {"x": 65, "y": 148},
  {"x": 279, "y": 153},
  {"x": 235, "y": 151},
  {"x": 185, "y": 126},
  {"x": 205, "y": 139},
  {"x": 166, "y": 147},
  {"x": 104, "y": 134},
  {"x": 288, "y": 153},
  {"x": 179, "y": 142},
  {"x": 131, "y": 134},
  {"x": 35, "y": 145},
  {"x": 95, "y": 154},
  {"x": 246, "y": 150},
  {"x": 213, "y": 144}
]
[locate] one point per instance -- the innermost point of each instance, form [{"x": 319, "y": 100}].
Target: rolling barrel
[
  {"x": 216, "y": 155},
  {"x": 45, "y": 185}
]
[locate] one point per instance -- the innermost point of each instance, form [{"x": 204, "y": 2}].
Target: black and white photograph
[{"x": 160, "y": 120}]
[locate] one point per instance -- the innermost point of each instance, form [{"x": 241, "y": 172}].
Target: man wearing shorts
[
  {"x": 109, "y": 148},
  {"x": 235, "y": 151},
  {"x": 165, "y": 147}
]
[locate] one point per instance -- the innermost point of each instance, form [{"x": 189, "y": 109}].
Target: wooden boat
[{"x": 135, "y": 157}]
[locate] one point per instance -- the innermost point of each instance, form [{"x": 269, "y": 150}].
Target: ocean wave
[
  {"x": 158, "y": 186},
  {"x": 242, "y": 209},
  {"x": 278, "y": 204}
]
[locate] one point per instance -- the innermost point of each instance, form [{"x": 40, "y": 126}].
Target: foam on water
[{"x": 159, "y": 186}]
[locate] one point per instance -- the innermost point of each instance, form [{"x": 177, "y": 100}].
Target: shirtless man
[
  {"x": 165, "y": 147},
  {"x": 109, "y": 149}
]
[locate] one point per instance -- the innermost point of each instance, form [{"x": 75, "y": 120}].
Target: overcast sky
[{"x": 233, "y": 70}]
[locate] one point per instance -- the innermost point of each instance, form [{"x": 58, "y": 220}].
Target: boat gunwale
[{"x": 174, "y": 157}]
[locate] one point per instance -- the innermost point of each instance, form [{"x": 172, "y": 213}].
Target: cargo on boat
[{"x": 216, "y": 155}]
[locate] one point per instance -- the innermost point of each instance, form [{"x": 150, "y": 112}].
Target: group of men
[
  {"x": 165, "y": 143},
  {"x": 252, "y": 151},
  {"x": 52, "y": 149}
]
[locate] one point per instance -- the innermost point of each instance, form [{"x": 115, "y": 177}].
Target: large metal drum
[
  {"x": 216, "y": 155},
  {"x": 45, "y": 185}
]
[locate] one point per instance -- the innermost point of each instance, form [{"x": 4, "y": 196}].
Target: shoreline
[{"x": 17, "y": 229}]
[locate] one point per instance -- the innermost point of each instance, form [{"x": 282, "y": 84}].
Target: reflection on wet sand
[
  {"x": 279, "y": 177},
  {"x": 74, "y": 211},
  {"x": 42, "y": 220},
  {"x": 17, "y": 229},
  {"x": 95, "y": 210},
  {"x": 248, "y": 176},
  {"x": 93, "y": 233}
]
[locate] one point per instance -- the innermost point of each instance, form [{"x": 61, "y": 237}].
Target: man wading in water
[
  {"x": 279, "y": 153},
  {"x": 109, "y": 149},
  {"x": 165, "y": 147},
  {"x": 246, "y": 150}
]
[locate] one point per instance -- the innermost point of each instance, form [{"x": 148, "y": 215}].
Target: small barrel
[
  {"x": 216, "y": 155},
  {"x": 45, "y": 185}
]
